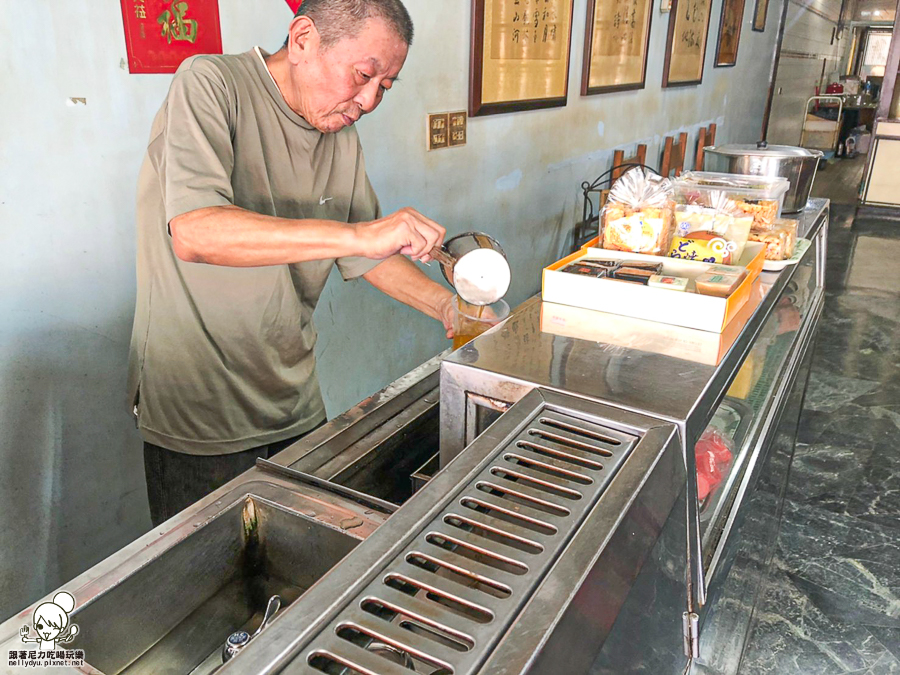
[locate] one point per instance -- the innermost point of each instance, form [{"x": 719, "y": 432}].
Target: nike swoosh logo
[{"x": 322, "y": 200}]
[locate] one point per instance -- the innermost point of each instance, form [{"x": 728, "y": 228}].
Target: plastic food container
[{"x": 759, "y": 196}]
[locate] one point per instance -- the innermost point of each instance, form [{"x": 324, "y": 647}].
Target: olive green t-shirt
[{"x": 221, "y": 358}]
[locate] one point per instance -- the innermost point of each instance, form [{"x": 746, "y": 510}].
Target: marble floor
[{"x": 832, "y": 604}]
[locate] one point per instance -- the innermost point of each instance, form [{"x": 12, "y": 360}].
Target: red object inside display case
[{"x": 713, "y": 453}]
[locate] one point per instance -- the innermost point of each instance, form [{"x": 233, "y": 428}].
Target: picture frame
[
  {"x": 759, "y": 15},
  {"x": 729, "y": 40},
  {"x": 686, "y": 53},
  {"x": 616, "y": 48},
  {"x": 520, "y": 54}
]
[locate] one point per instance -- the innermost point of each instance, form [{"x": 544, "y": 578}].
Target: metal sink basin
[{"x": 167, "y": 603}]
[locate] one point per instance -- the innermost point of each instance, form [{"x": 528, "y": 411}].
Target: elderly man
[{"x": 253, "y": 187}]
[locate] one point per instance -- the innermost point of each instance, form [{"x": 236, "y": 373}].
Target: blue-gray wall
[{"x": 71, "y": 480}]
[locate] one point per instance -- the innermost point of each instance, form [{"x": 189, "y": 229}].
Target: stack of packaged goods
[{"x": 754, "y": 202}]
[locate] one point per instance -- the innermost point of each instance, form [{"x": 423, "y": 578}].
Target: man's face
[{"x": 334, "y": 87}]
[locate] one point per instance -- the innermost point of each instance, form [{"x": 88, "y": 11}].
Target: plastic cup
[{"x": 470, "y": 321}]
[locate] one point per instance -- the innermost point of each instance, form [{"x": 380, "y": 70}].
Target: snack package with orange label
[{"x": 637, "y": 216}]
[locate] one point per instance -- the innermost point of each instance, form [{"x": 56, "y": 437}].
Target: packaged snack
[
  {"x": 718, "y": 283},
  {"x": 585, "y": 270},
  {"x": 637, "y": 216},
  {"x": 764, "y": 212},
  {"x": 629, "y": 281},
  {"x": 600, "y": 262},
  {"x": 670, "y": 283},
  {"x": 704, "y": 246},
  {"x": 633, "y": 274},
  {"x": 789, "y": 225},
  {"x": 711, "y": 228},
  {"x": 652, "y": 267},
  {"x": 775, "y": 241}
]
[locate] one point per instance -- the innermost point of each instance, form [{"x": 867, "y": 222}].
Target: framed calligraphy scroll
[
  {"x": 615, "y": 45},
  {"x": 759, "y": 15},
  {"x": 160, "y": 34},
  {"x": 686, "y": 44},
  {"x": 520, "y": 55},
  {"x": 729, "y": 32}
]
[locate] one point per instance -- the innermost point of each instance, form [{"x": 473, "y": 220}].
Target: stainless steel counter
[{"x": 573, "y": 508}]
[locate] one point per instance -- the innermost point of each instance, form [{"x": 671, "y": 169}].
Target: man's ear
[{"x": 303, "y": 38}]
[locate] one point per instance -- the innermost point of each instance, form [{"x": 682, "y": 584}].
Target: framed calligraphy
[
  {"x": 729, "y": 33},
  {"x": 520, "y": 55},
  {"x": 759, "y": 15},
  {"x": 686, "y": 43},
  {"x": 615, "y": 46},
  {"x": 160, "y": 34}
]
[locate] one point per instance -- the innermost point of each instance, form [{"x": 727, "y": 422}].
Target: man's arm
[
  {"x": 232, "y": 236},
  {"x": 403, "y": 281}
]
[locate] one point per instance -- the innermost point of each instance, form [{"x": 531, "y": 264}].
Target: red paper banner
[
  {"x": 294, "y": 5},
  {"x": 160, "y": 34}
]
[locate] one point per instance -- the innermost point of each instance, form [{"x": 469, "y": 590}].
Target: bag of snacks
[
  {"x": 780, "y": 240},
  {"x": 710, "y": 228},
  {"x": 637, "y": 216}
]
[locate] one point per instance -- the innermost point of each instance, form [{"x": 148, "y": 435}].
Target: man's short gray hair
[{"x": 339, "y": 19}]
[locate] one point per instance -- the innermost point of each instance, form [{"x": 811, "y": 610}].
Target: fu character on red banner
[{"x": 160, "y": 34}]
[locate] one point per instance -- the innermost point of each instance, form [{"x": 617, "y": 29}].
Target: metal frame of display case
[{"x": 483, "y": 378}]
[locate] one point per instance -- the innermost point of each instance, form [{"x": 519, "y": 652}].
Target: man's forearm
[
  {"x": 229, "y": 235},
  {"x": 403, "y": 281}
]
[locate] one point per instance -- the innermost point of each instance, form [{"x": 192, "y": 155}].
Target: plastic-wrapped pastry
[
  {"x": 789, "y": 225},
  {"x": 637, "y": 216},
  {"x": 654, "y": 267},
  {"x": 600, "y": 262},
  {"x": 776, "y": 241}
]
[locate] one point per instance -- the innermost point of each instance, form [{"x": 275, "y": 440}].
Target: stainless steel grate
[{"x": 455, "y": 589}]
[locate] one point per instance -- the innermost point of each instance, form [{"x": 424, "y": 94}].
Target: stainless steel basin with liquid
[{"x": 168, "y": 602}]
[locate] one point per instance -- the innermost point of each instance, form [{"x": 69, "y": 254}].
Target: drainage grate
[{"x": 445, "y": 601}]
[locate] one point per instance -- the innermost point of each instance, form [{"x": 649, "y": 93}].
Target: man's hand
[
  {"x": 445, "y": 308},
  {"x": 407, "y": 232}
]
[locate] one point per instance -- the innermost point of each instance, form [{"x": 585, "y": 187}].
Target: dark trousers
[{"x": 175, "y": 480}]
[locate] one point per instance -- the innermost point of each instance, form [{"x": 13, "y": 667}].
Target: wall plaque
[{"x": 520, "y": 55}]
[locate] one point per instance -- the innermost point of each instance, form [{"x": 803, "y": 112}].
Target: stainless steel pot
[
  {"x": 456, "y": 247},
  {"x": 798, "y": 165}
]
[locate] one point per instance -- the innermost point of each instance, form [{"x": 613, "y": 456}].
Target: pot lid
[{"x": 764, "y": 149}]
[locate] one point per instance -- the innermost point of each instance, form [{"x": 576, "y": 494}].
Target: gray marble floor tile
[
  {"x": 794, "y": 637},
  {"x": 889, "y": 636},
  {"x": 862, "y": 481}
]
